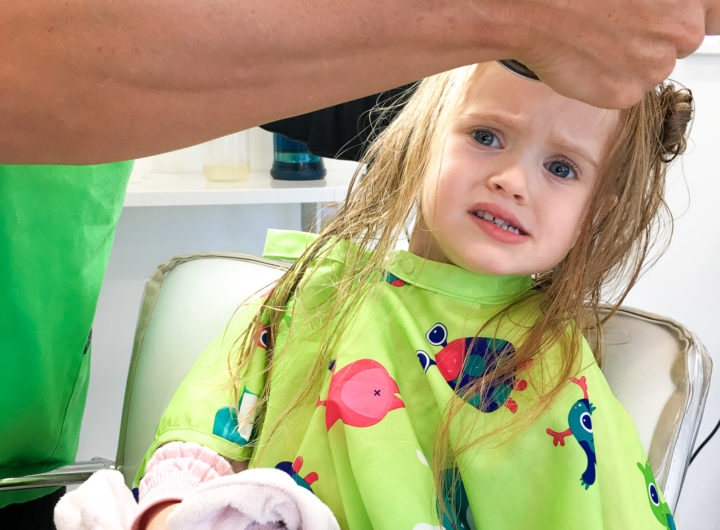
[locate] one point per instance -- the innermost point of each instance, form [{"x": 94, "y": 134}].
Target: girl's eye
[
  {"x": 561, "y": 169},
  {"x": 487, "y": 138}
]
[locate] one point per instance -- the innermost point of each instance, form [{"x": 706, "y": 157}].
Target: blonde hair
[{"x": 617, "y": 236}]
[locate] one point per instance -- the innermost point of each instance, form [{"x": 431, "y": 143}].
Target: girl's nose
[{"x": 510, "y": 180}]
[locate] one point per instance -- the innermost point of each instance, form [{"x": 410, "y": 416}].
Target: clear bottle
[{"x": 226, "y": 159}]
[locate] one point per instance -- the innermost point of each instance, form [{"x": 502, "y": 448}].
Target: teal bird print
[{"x": 580, "y": 426}]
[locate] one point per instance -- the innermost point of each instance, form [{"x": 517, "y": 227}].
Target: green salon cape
[
  {"x": 363, "y": 443},
  {"x": 56, "y": 229}
]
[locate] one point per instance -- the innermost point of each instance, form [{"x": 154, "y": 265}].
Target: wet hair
[{"x": 624, "y": 222}]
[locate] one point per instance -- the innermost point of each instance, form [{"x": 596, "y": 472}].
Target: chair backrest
[
  {"x": 657, "y": 369},
  {"x": 660, "y": 372},
  {"x": 187, "y": 302}
]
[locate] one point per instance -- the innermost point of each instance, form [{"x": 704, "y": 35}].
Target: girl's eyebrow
[
  {"x": 567, "y": 145},
  {"x": 513, "y": 121}
]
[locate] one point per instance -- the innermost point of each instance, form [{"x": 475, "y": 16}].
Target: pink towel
[{"x": 254, "y": 499}]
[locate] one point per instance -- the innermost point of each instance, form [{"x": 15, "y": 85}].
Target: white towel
[
  {"x": 103, "y": 502},
  {"x": 252, "y": 500}
]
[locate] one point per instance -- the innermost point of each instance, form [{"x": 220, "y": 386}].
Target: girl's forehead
[
  {"x": 491, "y": 83},
  {"x": 492, "y": 90}
]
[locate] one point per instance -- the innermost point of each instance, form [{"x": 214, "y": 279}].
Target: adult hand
[
  {"x": 712, "y": 17},
  {"x": 609, "y": 53}
]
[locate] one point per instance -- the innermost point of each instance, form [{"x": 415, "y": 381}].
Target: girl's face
[{"x": 508, "y": 186}]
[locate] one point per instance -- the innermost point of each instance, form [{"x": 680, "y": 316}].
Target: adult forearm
[
  {"x": 91, "y": 81},
  {"x": 102, "y": 80}
]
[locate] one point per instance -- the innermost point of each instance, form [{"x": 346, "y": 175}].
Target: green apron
[{"x": 56, "y": 229}]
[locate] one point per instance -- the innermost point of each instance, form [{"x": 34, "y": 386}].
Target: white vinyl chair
[
  {"x": 188, "y": 301},
  {"x": 659, "y": 370}
]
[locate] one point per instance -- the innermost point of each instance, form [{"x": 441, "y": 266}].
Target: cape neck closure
[{"x": 456, "y": 281}]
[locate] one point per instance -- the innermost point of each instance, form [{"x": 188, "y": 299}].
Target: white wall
[{"x": 683, "y": 285}]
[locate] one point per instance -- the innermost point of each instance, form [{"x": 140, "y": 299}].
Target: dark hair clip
[{"x": 518, "y": 68}]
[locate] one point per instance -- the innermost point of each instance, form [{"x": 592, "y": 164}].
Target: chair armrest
[{"x": 62, "y": 476}]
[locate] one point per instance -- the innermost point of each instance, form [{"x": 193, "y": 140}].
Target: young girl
[{"x": 448, "y": 385}]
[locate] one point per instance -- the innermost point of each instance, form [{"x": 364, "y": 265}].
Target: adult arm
[{"x": 84, "y": 82}]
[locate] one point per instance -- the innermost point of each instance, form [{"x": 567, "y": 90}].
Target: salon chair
[{"x": 658, "y": 369}]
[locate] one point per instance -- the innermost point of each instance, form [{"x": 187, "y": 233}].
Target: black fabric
[
  {"x": 32, "y": 515},
  {"x": 342, "y": 131}
]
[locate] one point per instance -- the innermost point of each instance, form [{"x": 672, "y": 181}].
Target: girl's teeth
[{"x": 499, "y": 222}]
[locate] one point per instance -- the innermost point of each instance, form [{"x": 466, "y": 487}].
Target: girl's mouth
[{"x": 502, "y": 223}]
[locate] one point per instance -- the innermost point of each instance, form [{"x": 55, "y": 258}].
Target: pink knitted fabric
[{"x": 176, "y": 469}]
